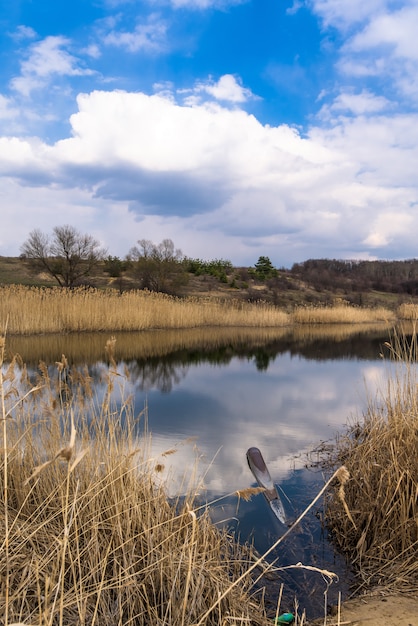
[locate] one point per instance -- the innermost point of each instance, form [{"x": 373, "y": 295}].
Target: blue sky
[{"x": 236, "y": 128}]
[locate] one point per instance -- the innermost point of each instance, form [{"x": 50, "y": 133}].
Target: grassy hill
[{"x": 287, "y": 290}]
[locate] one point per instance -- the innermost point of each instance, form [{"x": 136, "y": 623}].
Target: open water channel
[{"x": 212, "y": 394}]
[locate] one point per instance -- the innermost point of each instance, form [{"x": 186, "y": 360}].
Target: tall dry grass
[
  {"x": 408, "y": 311},
  {"x": 341, "y": 314},
  {"x": 374, "y": 518},
  {"x": 35, "y": 310},
  {"x": 88, "y": 535},
  {"x": 32, "y": 310}
]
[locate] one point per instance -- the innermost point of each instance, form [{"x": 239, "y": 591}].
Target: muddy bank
[{"x": 378, "y": 609}]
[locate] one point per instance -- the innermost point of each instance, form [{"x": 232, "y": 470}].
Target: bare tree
[
  {"x": 67, "y": 255},
  {"x": 159, "y": 267}
]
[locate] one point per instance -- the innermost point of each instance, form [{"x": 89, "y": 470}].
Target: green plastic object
[{"x": 285, "y": 618}]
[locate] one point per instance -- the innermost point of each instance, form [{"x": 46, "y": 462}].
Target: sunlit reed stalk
[{"x": 5, "y": 476}]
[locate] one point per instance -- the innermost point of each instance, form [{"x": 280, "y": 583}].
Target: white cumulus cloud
[
  {"x": 47, "y": 58},
  {"x": 212, "y": 178},
  {"x": 227, "y": 88}
]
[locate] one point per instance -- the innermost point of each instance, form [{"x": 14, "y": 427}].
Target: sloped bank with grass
[{"x": 374, "y": 517}]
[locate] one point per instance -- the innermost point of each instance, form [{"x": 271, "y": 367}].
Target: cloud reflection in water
[{"x": 285, "y": 411}]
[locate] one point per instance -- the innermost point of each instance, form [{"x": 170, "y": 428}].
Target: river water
[{"x": 212, "y": 394}]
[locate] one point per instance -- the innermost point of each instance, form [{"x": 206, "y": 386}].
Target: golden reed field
[{"x": 31, "y": 310}]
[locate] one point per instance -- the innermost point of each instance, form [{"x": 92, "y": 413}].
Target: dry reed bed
[
  {"x": 36, "y": 310},
  {"x": 374, "y": 519},
  {"x": 57, "y": 310},
  {"x": 341, "y": 314},
  {"x": 408, "y": 311},
  {"x": 87, "y": 535}
]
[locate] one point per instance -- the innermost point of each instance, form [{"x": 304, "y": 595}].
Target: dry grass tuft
[
  {"x": 88, "y": 535},
  {"x": 341, "y": 313},
  {"x": 408, "y": 311},
  {"x": 373, "y": 516},
  {"x": 249, "y": 492}
]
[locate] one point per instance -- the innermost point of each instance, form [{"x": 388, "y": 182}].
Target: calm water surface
[{"x": 211, "y": 396}]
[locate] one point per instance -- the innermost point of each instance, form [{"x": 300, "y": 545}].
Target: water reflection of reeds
[
  {"x": 88, "y": 348},
  {"x": 336, "y": 332}
]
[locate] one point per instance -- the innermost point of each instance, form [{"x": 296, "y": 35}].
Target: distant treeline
[{"x": 389, "y": 276}]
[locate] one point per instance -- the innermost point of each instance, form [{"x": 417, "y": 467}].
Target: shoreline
[{"x": 376, "y": 608}]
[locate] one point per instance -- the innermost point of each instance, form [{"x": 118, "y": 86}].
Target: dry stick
[
  {"x": 102, "y": 581},
  {"x": 68, "y": 515},
  {"x": 28, "y": 393},
  {"x": 262, "y": 557},
  {"x": 65, "y": 453},
  {"x": 5, "y": 470},
  {"x": 190, "y": 567},
  {"x": 279, "y": 601},
  {"x": 339, "y": 607}
]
